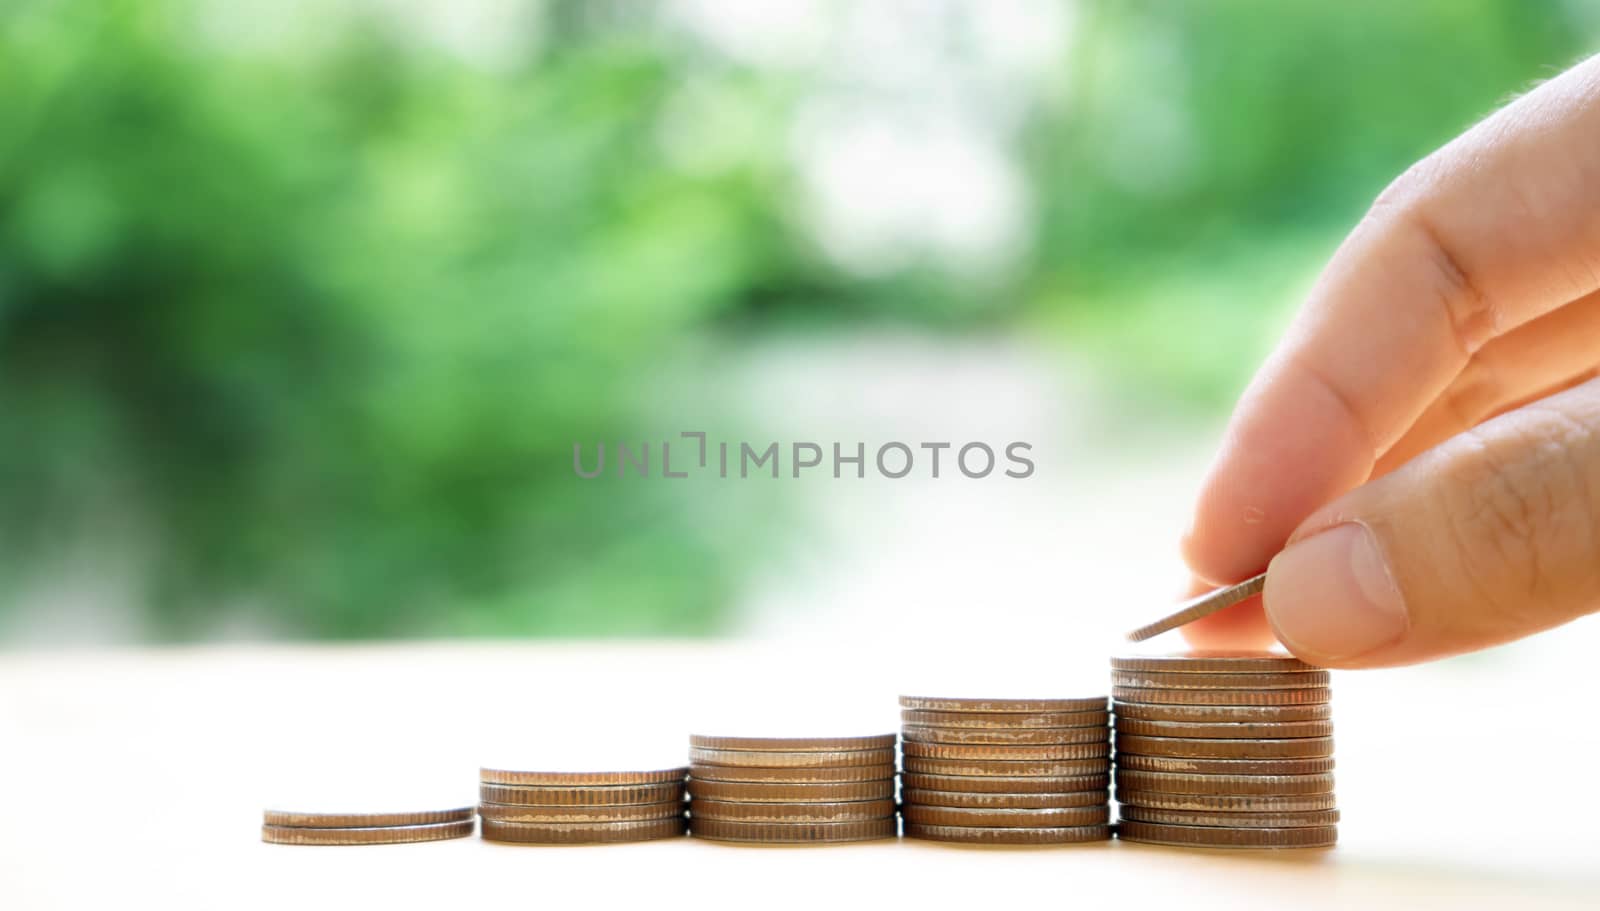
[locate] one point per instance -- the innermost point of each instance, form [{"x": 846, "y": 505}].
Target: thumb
[{"x": 1489, "y": 537}]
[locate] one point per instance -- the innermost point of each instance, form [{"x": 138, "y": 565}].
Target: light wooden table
[{"x": 137, "y": 778}]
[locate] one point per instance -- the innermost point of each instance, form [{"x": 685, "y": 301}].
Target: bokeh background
[{"x": 304, "y": 305}]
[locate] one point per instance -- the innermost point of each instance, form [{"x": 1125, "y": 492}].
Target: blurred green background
[{"x": 302, "y": 306}]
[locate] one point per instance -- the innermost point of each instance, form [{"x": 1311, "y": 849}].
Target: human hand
[{"x": 1423, "y": 447}]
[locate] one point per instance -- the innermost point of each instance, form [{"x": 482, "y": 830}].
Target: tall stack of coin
[
  {"x": 285, "y": 827},
  {"x": 564, "y": 808},
  {"x": 786, "y": 790},
  {"x": 1224, "y": 750},
  {"x": 1006, "y": 771}
]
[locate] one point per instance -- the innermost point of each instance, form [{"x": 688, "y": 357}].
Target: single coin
[
  {"x": 981, "y": 800},
  {"x": 1005, "y": 720},
  {"x": 775, "y": 759},
  {"x": 516, "y": 813},
  {"x": 1274, "y": 730},
  {"x": 1222, "y": 697},
  {"x": 1163, "y": 680},
  {"x": 793, "y": 774},
  {"x": 791, "y": 833},
  {"x": 986, "y": 835},
  {"x": 592, "y": 833},
  {"x": 774, "y": 792},
  {"x": 849, "y": 811},
  {"x": 1009, "y": 706},
  {"x": 1007, "y": 768},
  {"x": 1224, "y": 714},
  {"x": 1019, "y": 736},
  {"x": 365, "y": 835},
  {"x": 1231, "y": 820},
  {"x": 507, "y": 777},
  {"x": 1139, "y": 763},
  {"x": 925, "y": 815},
  {"x": 992, "y": 751},
  {"x": 1227, "y": 803},
  {"x": 364, "y": 820},
  {"x": 1296, "y": 748},
  {"x": 1219, "y": 837},
  {"x": 794, "y": 744},
  {"x": 1179, "y": 783},
  {"x": 994, "y": 784},
  {"x": 580, "y": 796},
  {"x": 1204, "y": 605},
  {"x": 1214, "y": 661}
]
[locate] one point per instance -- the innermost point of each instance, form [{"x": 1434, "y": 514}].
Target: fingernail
[{"x": 1331, "y": 596}]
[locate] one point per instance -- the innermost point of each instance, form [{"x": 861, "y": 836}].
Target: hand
[{"x": 1423, "y": 447}]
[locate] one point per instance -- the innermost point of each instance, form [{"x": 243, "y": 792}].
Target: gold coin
[
  {"x": 985, "y": 835},
  {"x": 773, "y": 759},
  {"x": 844, "y": 811},
  {"x": 1214, "y": 661},
  {"x": 1227, "y": 803},
  {"x": 1220, "y": 837},
  {"x": 925, "y": 815},
  {"x": 776, "y": 792},
  {"x": 580, "y": 796},
  {"x": 1004, "y": 752},
  {"x": 590, "y": 833},
  {"x": 998, "y": 736},
  {"x": 993, "y": 784},
  {"x": 1221, "y": 697},
  {"x": 515, "y": 813},
  {"x": 792, "y": 833},
  {"x": 1008, "y": 768},
  {"x": 1161, "y": 680},
  {"x": 1179, "y": 783},
  {"x": 795, "y": 744},
  {"x": 1231, "y": 820},
  {"x": 1005, "y": 720},
  {"x": 1275, "y": 730},
  {"x": 1197, "y": 748},
  {"x": 1212, "y": 714},
  {"x": 1020, "y": 706},
  {"x": 793, "y": 774},
  {"x": 364, "y": 820},
  {"x": 570, "y": 779},
  {"x": 1311, "y": 766},
  {"x": 983, "y": 800},
  {"x": 365, "y": 835}
]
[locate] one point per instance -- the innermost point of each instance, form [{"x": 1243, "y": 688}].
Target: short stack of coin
[
  {"x": 1224, "y": 750},
  {"x": 286, "y": 827},
  {"x": 567, "y": 808},
  {"x": 1006, "y": 771},
  {"x": 790, "y": 790}
]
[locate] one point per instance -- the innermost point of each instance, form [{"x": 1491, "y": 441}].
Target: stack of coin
[
  {"x": 787, "y": 790},
  {"x": 1006, "y": 771},
  {"x": 285, "y": 827},
  {"x": 565, "y": 808},
  {"x": 1224, "y": 750}
]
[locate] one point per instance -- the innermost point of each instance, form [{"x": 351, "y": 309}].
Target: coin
[
  {"x": 844, "y": 811},
  {"x": 1018, "y": 736},
  {"x": 984, "y": 835},
  {"x": 1179, "y": 783},
  {"x": 1007, "y": 768},
  {"x": 1221, "y": 697},
  {"x": 506, "y": 777},
  {"x": 924, "y": 815},
  {"x": 1005, "y": 801},
  {"x": 1006, "y": 720},
  {"x": 1195, "y": 608},
  {"x": 365, "y": 835},
  {"x": 774, "y": 759},
  {"x": 1162, "y": 680},
  {"x": 1004, "y": 752},
  {"x": 364, "y": 820},
  {"x": 1225, "y": 749},
  {"x": 1318, "y": 711},
  {"x": 795, "y": 744},
  {"x": 791, "y": 833},
  {"x": 1312, "y": 766},
  {"x": 793, "y": 774},
  {"x": 580, "y": 796},
  {"x": 1218, "y": 837},
  {"x": 774, "y": 792},
  {"x": 583, "y": 833},
  {"x": 1273, "y": 730},
  {"x": 1140, "y": 813},
  {"x": 1021, "y": 706},
  {"x": 1214, "y": 661},
  {"x": 994, "y": 784},
  {"x": 1227, "y": 803},
  {"x": 515, "y": 813}
]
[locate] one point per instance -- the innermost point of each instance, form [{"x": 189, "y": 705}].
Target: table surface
[{"x": 132, "y": 776}]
